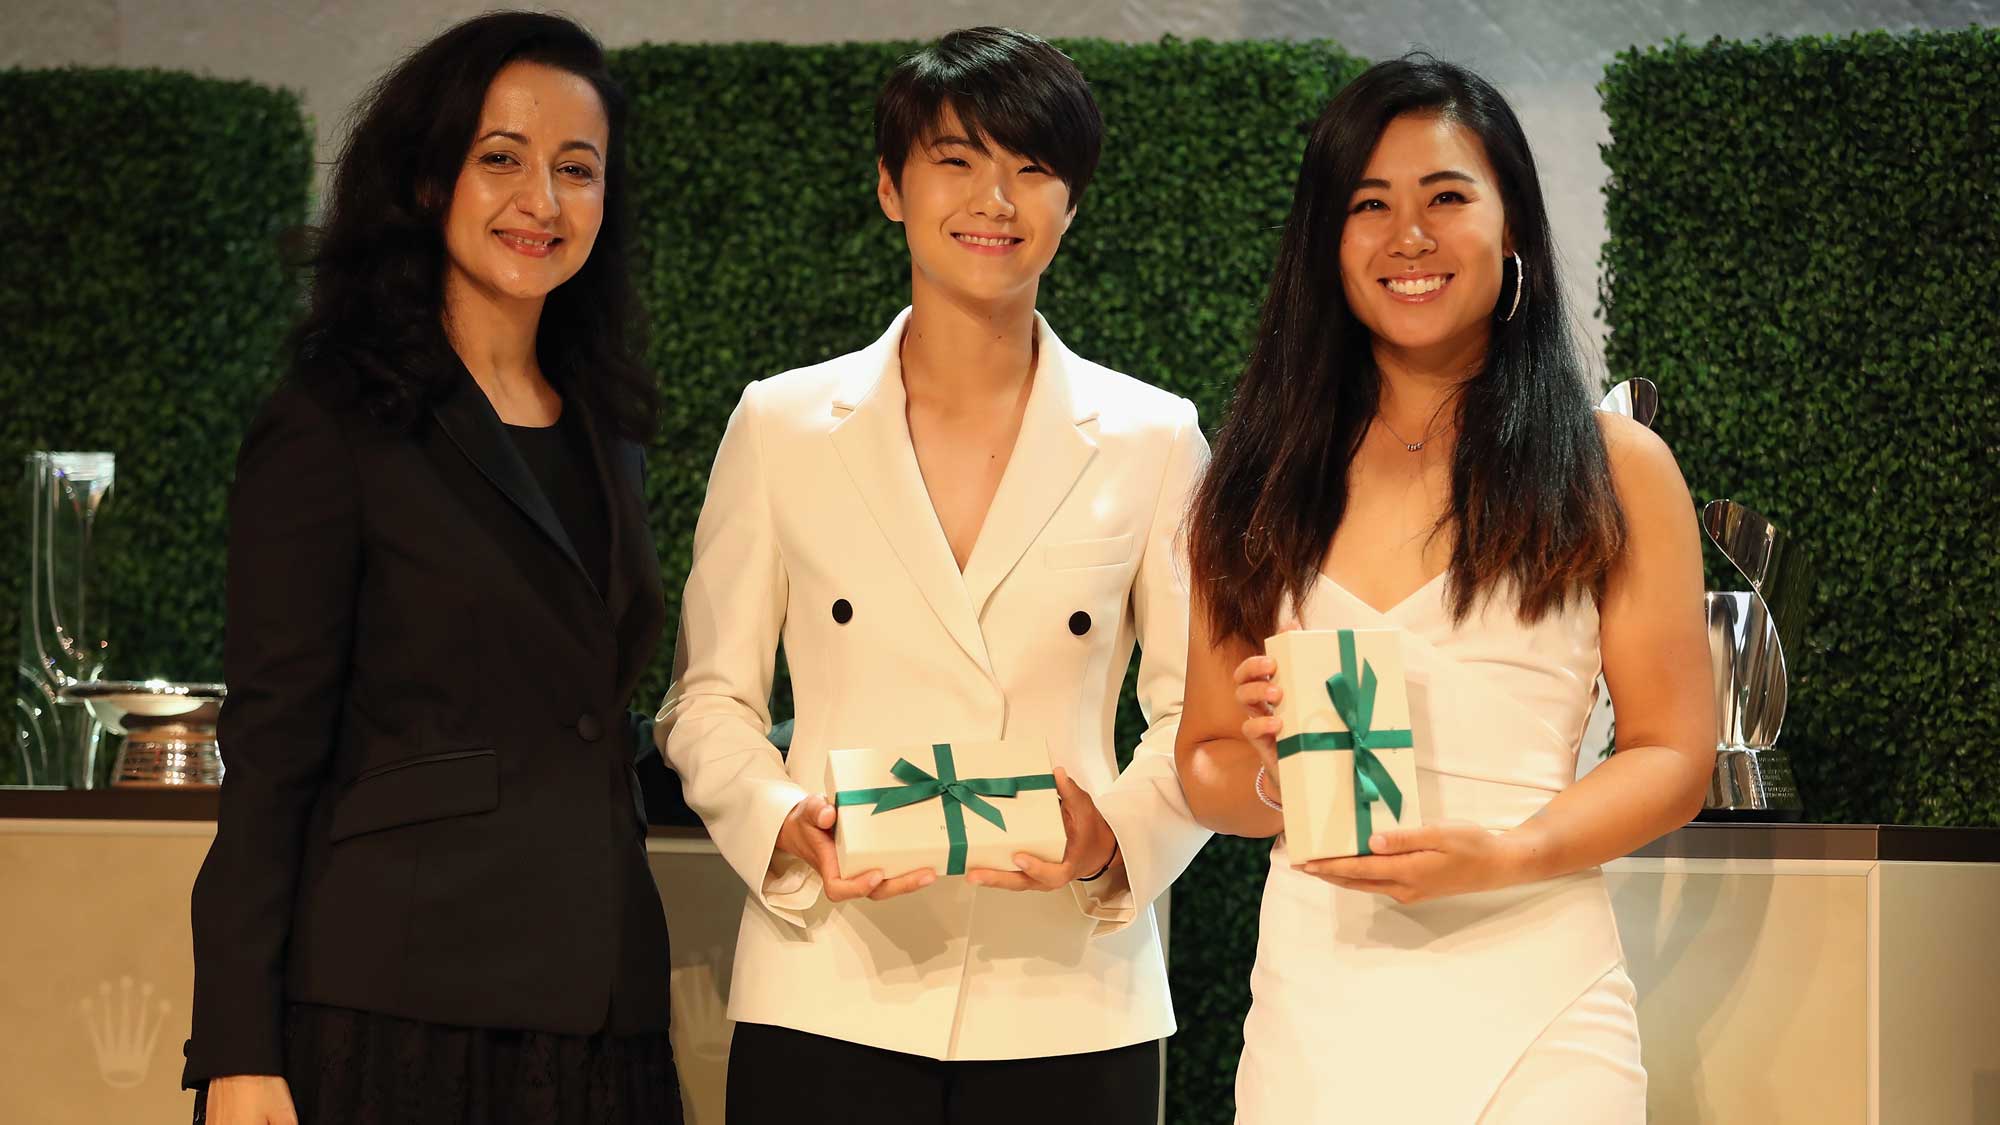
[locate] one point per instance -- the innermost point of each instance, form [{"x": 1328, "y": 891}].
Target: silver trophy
[
  {"x": 1749, "y": 633},
  {"x": 169, "y": 730}
]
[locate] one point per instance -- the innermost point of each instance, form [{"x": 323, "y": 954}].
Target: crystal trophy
[
  {"x": 1750, "y": 634},
  {"x": 63, "y": 637}
]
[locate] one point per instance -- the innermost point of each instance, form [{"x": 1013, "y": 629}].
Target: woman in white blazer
[{"x": 957, "y": 534}]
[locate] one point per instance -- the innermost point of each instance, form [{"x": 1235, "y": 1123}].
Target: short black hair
[{"x": 1007, "y": 87}]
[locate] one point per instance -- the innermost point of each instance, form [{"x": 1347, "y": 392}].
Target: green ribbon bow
[
  {"x": 958, "y": 794},
  {"x": 1353, "y": 696}
]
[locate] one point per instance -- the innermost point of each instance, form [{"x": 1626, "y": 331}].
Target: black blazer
[{"x": 429, "y": 808}]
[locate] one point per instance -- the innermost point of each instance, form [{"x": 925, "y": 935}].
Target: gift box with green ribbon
[
  {"x": 1347, "y": 763},
  {"x": 948, "y": 806}
]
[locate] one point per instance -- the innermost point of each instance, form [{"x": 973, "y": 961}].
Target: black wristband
[{"x": 1106, "y": 867}]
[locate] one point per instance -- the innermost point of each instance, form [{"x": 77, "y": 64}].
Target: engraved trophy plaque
[{"x": 1750, "y": 634}]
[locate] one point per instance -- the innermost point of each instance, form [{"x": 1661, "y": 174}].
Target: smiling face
[
  {"x": 530, "y": 195},
  {"x": 982, "y": 223},
  {"x": 1421, "y": 250}
]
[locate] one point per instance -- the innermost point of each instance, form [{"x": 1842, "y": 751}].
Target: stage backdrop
[
  {"x": 1805, "y": 248},
  {"x": 1803, "y": 255}
]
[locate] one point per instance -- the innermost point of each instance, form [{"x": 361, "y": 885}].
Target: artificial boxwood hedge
[
  {"x": 1804, "y": 252},
  {"x": 763, "y": 248},
  {"x": 141, "y": 313}
]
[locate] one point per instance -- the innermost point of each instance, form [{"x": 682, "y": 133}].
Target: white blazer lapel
[
  {"x": 1049, "y": 455},
  {"x": 873, "y": 441}
]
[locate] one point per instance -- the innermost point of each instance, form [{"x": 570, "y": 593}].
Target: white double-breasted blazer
[{"x": 818, "y": 531}]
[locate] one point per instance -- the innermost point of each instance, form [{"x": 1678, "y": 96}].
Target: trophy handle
[
  {"x": 1637, "y": 399},
  {"x": 1778, "y": 571}
]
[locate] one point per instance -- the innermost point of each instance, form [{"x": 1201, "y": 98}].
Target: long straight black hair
[
  {"x": 1531, "y": 490},
  {"x": 375, "y": 314}
]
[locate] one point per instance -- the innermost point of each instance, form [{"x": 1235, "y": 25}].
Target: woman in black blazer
[{"x": 428, "y": 897}]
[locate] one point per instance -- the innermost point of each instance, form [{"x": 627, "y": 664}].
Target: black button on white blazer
[{"x": 415, "y": 820}]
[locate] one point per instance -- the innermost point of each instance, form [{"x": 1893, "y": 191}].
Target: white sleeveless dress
[{"x": 1489, "y": 1009}]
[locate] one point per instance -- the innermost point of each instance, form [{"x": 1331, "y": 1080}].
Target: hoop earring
[{"x": 1520, "y": 283}]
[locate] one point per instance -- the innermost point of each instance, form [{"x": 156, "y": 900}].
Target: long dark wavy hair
[
  {"x": 375, "y": 315},
  {"x": 1531, "y": 490}
]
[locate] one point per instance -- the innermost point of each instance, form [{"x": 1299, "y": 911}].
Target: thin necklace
[{"x": 1412, "y": 446}]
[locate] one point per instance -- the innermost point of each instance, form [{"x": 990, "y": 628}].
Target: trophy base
[
  {"x": 1751, "y": 785},
  {"x": 178, "y": 759}
]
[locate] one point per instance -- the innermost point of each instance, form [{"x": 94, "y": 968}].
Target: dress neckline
[{"x": 1365, "y": 604}]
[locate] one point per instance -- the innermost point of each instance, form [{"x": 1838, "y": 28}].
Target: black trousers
[{"x": 778, "y": 1076}]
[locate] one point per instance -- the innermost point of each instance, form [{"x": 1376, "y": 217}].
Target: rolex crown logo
[{"x": 124, "y": 1024}]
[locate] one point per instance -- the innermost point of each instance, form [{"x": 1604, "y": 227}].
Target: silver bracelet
[{"x": 1258, "y": 784}]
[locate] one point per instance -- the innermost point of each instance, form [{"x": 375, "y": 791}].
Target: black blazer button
[
  {"x": 589, "y": 729},
  {"x": 842, "y": 612},
  {"x": 1079, "y": 623}
]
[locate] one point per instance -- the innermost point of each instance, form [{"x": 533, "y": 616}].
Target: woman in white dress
[{"x": 1411, "y": 446}]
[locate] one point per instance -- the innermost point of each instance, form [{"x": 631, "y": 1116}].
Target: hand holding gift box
[
  {"x": 1346, "y": 762},
  {"x": 947, "y": 806}
]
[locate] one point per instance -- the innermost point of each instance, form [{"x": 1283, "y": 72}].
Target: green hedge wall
[
  {"x": 1804, "y": 252},
  {"x": 763, "y": 249},
  {"x": 141, "y": 313}
]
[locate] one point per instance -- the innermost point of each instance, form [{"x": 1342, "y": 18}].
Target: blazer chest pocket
[
  {"x": 1081, "y": 553},
  {"x": 433, "y": 787}
]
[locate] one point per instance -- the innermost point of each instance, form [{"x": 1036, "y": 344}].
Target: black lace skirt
[{"x": 359, "y": 1068}]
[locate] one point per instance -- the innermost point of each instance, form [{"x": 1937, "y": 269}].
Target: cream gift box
[
  {"x": 947, "y": 806},
  {"x": 1346, "y": 764}
]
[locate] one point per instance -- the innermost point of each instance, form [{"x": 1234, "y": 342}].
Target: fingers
[
  {"x": 1043, "y": 874},
  {"x": 1081, "y": 820},
  {"x": 1392, "y": 841},
  {"x": 819, "y": 812},
  {"x": 1256, "y": 668},
  {"x": 1366, "y": 868},
  {"x": 1262, "y": 729},
  {"x": 1036, "y": 874},
  {"x": 1069, "y": 791},
  {"x": 806, "y": 827},
  {"x": 842, "y": 890},
  {"x": 1258, "y": 696},
  {"x": 1001, "y": 880},
  {"x": 903, "y": 884},
  {"x": 818, "y": 843}
]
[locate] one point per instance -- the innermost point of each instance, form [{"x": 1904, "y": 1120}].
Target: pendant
[{"x": 1414, "y": 448}]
